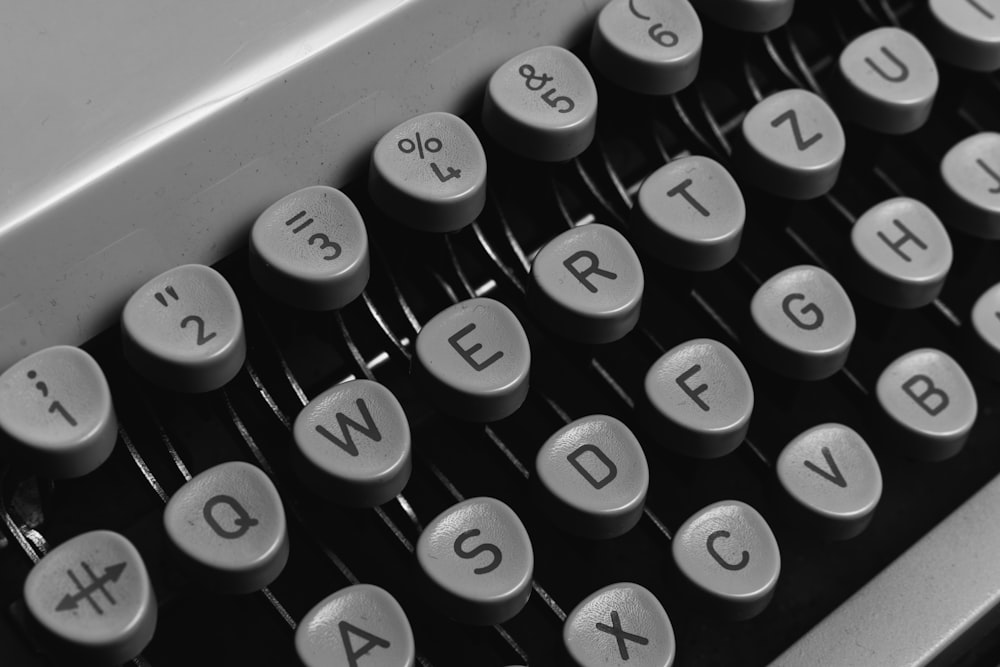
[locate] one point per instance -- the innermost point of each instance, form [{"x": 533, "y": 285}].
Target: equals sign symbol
[{"x": 163, "y": 300}]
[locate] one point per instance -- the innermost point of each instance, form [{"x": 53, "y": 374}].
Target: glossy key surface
[
  {"x": 971, "y": 174},
  {"x": 966, "y": 33},
  {"x": 747, "y": 15},
  {"x": 985, "y": 322}
]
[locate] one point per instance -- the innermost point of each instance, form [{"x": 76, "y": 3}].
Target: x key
[{"x": 620, "y": 635}]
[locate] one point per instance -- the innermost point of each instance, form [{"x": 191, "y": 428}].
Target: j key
[
  {"x": 542, "y": 105},
  {"x": 593, "y": 477},
  {"x": 648, "y": 46},
  {"x": 729, "y": 557},
  {"x": 747, "y": 15},
  {"x": 929, "y": 403},
  {"x": 986, "y": 324},
  {"x": 698, "y": 399},
  {"x": 971, "y": 174},
  {"x": 477, "y": 560},
  {"x": 429, "y": 173},
  {"x": 586, "y": 285},
  {"x": 357, "y": 626},
  {"x": 621, "y": 624},
  {"x": 473, "y": 358},
  {"x": 353, "y": 444},
  {"x": 183, "y": 330},
  {"x": 791, "y": 145},
  {"x": 966, "y": 33},
  {"x": 833, "y": 478},
  {"x": 888, "y": 81},
  {"x": 689, "y": 214},
  {"x": 904, "y": 253},
  {"x": 56, "y": 412},
  {"x": 227, "y": 527},
  {"x": 91, "y": 600},
  {"x": 310, "y": 249},
  {"x": 804, "y": 323}
]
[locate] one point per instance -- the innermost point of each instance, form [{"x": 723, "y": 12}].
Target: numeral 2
[{"x": 202, "y": 338}]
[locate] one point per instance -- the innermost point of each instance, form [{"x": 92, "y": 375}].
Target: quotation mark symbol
[{"x": 163, "y": 300}]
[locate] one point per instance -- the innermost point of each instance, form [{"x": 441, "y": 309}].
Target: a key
[
  {"x": 929, "y": 404},
  {"x": 477, "y": 561},
  {"x": 91, "y": 600},
  {"x": 429, "y": 173},
  {"x": 593, "y": 477},
  {"x": 352, "y": 444},
  {"x": 542, "y": 105},
  {"x": 621, "y": 624},
  {"x": 791, "y": 144},
  {"x": 747, "y": 15},
  {"x": 309, "y": 249},
  {"x": 965, "y": 33},
  {"x": 986, "y": 324},
  {"x": 689, "y": 214},
  {"x": 832, "y": 478},
  {"x": 904, "y": 253},
  {"x": 698, "y": 399},
  {"x": 227, "y": 528},
  {"x": 183, "y": 330},
  {"x": 648, "y": 46},
  {"x": 888, "y": 81},
  {"x": 357, "y": 626},
  {"x": 473, "y": 358},
  {"x": 586, "y": 285},
  {"x": 971, "y": 174},
  {"x": 804, "y": 323},
  {"x": 56, "y": 412},
  {"x": 728, "y": 556}
]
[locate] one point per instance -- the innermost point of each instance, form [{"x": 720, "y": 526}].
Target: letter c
[
  {"x": 744, "y": 557},
  {"x": 809, "y": 308}
]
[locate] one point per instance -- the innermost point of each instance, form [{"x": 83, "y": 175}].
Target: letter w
[
  {"x": 793, "y": 118},
  {"x": 347, "y": 444}
]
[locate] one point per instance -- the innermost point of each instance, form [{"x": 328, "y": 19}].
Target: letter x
[{"x": 616, "y": 629}]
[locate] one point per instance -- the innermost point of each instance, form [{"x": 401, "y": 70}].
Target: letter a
[{"x": 346, "y": 630}]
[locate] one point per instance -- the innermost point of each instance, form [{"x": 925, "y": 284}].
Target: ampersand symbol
[{"x": 528, "y": 72}]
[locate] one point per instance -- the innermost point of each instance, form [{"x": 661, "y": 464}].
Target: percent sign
[{"x": 431, "y": 145}]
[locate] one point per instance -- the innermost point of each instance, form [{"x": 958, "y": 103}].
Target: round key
[
  {"x": 966, "y": 33},
  {"x": 310, "y": 249},
  {"x": 904, "y": 253},
  {"x": 357, "y": 626},
  {"x": 888, "y": 81},
  {"x": 56, "y": 412},
  {"x": 227, "y": 527},
  {"x": 986, "y": 324},
  {"x": 728, "y": 555},
  {"x": 477, "y": 559},
  {"x": 473, "y": 358},
  {"x": 542, "y": 105},
  {"x": 929, "y": 403},
  {"x": 971, "y": 174},
  {"x": 429, "y": 173},
  {"x": 689, "y": 214},
  {"x": 804, "y": 323},
  {"x": 183, "y": 330},
  {"x": 747, "y": 15},
  {"x": 648, "y": 46},
  {"x": 833, "y": 478},
  {"x": 621, "y": 624},
  {"x": 791, "y": 145},
  {"x": 593, "y": 476},
  {"x": 353, "y": 444},
  {"x": 586, "y": 285},
  {"x": 698, "y": 399},
  {"x": 92, "y": 601}
]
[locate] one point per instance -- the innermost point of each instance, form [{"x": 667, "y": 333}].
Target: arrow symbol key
[
  {"x": 71, "y": 601},
  {"x": 834, "y": 475}
]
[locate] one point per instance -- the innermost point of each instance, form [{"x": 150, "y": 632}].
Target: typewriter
[{"x": 382, "y": 333}]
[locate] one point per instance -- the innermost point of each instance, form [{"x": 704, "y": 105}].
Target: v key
[{"x": 834, "y": 475}]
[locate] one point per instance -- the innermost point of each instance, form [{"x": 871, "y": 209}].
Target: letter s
[{"x": 472, "y": 553}]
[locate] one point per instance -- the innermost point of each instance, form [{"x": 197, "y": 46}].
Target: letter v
[{"x": 835, "y": 476}]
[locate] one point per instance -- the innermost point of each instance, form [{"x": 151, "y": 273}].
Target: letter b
[{"x": 931, "y": 399}]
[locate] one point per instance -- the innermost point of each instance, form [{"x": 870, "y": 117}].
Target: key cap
[
  {"x": 56, "y": 412},
  {"x": 91, "y": 600},
  {"x": 728, "y": 555},
  {"x": 698, "y": 399},
  {"x": 621, "y": 624},
  {"x": 965, "y": 33},
  {"x": 888, "y": 81},
  {"x": 353, "y": 444},
  {"x": 183, "y": 330},
  {"x": 309, "y": 249},
  {"x": 833, "y": 478},
  {"x": 986, "y": 324},
  {"x": 689, "y": 214},
  {"x": 473, "y": 358},
  {"x": 929, "y": 403},
  {"x": 429, "y": 173},
  {"x": 804, "y": 323},
  {"x": 747, "y": 15},
  {"x": 904, "y": 253},
  {"x": 357, "y": 626},
  {"x": 651, "y": 47},
  {"x": 227, "y": 528},
  {"x": 593, "y": 477},
  {"x": 586, "y": 285},
  {"x": 542, "y": 105},
  {"x": 791, "y": 144},
  {"x": 971, "y": 174},
  {"x": 477, "y": 559}
]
